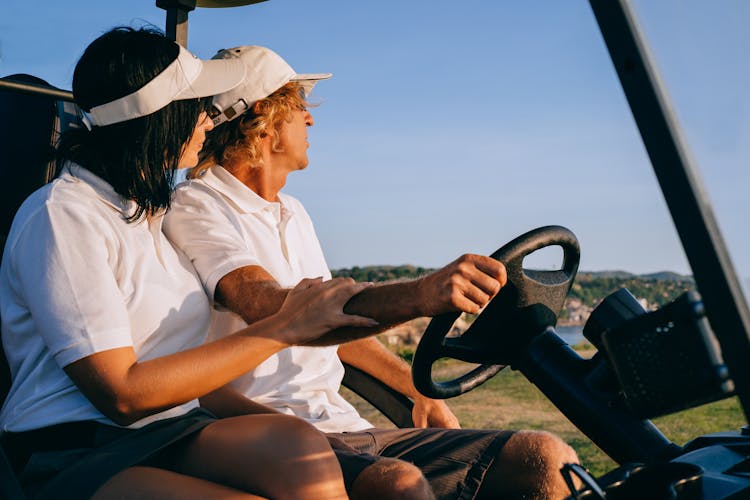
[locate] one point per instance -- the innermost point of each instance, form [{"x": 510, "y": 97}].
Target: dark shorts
[
  {"x": 454, "y": 461},
  {"x": 74, "y": 460}
]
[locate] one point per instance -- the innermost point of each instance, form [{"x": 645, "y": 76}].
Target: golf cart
[{"x": 648, "y": 364}]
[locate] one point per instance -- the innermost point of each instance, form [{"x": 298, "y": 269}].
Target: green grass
[{"x": 509, "y": 401}]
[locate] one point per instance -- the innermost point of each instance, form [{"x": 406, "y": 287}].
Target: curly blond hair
[{"x": 243, "y": 136}]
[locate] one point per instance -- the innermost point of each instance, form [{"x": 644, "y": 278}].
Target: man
[{"x": 250, "y": 242}]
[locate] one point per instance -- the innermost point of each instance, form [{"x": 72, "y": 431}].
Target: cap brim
[
  {"x": 216, "y": 76},
  {"x": 308, "y": 80},
  {"x": 311, "y": 77}
]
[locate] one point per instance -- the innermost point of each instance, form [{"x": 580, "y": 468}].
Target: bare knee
[
  {"x": 276, "y": 456},
  {"x": 391, "y": 479},
  {"x": 269, "y": 437},
  {"x": 541, "y": 449},
  {"x": 298, "y": 433},
  {"x": 316, "y": 470},
  {"x": 529, "y": 466}
]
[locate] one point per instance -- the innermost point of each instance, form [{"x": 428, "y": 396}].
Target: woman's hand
[{"x": 315, "y": 307}]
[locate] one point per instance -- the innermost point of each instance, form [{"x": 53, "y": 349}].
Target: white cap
[
  {"x": 266, "y": 73},
  {"x": 186, "y": 78}
]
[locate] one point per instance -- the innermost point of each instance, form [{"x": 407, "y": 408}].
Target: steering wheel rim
[{"x": 530, "y": 302}]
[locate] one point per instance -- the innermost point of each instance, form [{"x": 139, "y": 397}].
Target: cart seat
[{"x": 27, "y": 135}]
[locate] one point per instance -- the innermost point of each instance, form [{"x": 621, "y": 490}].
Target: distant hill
[
  {"x": 655, "y": 288},
  {"x": 608, "y": 274},
  {"x": 381, "y": 273},
  {"x": 661, "y": 275},
  {"x": 668, "y": 276},
  {"x": 589, "y": 288}
]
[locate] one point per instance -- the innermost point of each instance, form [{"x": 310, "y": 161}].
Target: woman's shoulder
[{"x": 64, "y": 202}]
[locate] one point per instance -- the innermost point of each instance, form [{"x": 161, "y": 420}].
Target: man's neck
[{"x": 265, "y": 181}]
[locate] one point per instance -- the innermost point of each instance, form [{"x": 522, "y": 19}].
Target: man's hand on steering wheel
[
  {"x": 465, "y": 285},
  {"x": 429, "y": 412}
]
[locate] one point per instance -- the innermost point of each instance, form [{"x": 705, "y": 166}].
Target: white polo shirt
[
  {"x": 77, "y": 279},
  {"x": 223, "y": 225}
]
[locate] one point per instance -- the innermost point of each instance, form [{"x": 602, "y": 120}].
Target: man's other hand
[{"x": 433, "y": 413}]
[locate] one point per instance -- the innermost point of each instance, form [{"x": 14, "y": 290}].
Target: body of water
[{"x": 571, "y": 334}]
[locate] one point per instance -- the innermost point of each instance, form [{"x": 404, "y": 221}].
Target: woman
[{"x": 103, "y": 321}]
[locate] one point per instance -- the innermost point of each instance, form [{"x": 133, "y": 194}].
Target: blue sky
[{"x": 454, "y": 126}]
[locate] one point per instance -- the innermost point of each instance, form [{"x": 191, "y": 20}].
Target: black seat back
[
  {"x": 26, "y": 138},
  {"x": 27, "y": 135}
]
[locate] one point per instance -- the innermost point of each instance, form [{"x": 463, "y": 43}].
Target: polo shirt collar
[
  {"x": 102, "y": 188},
  {"x": 245, "y": 199}
]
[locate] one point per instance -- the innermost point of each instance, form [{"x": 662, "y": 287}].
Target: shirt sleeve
[
  {"x": 209, "y": 233},
  {"x": 62, "y": 262}
]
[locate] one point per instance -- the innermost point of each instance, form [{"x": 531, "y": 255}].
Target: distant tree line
[
  {"x": 589, "y": 287},
  {"x": 381, "y": 273},
  {"x": 659, "y": 289}
]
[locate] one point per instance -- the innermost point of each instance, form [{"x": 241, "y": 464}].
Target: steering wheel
[{"x": 525, "y": 307}]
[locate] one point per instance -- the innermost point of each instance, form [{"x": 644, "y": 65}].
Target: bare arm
[
  {"x": 374, "y": 358},
  {"x": 127, "y": 390},
  {"x": 251, "y": 292},
  {"x": 466, "y": 284}
]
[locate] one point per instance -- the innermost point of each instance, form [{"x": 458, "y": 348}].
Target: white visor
[
  {"x": 266, "y": 72},
  {"x": 186, "y": 78}
]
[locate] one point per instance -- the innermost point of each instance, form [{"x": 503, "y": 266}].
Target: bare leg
[
  {"x": 144, "y": 483},
  {"x": 390, "y": 478},
  {"x": 528, "y": 467},
  {"x": 273, "y": 455}
]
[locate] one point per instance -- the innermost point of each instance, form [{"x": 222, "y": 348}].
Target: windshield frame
[{"x": 689, "y": 207}]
